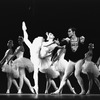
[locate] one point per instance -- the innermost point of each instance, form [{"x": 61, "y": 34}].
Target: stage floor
[{"x": 49, "y": 96}]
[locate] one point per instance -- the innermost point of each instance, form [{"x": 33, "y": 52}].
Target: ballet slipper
[
  {"x": 46, "y": 91},
  {"x": 35, "y": 89},
  {"x": 82, "y": 92},
  {"x": 56, "y": 92},
  {"x": 32, "y": 90},
  {"x": 8, "y": 91},
  {"x": 19, "y": 91},
  {"x": 88, "y": 92},
  {"x": 73, "y": 91}
]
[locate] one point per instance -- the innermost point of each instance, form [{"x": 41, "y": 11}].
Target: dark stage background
[{"x": 54, "y": 16}]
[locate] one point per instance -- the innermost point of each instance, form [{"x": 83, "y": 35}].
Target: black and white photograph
[{"x": 49, "y": 49}]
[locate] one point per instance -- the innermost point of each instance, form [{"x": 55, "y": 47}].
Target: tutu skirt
[
  {"x": 6, "y": 68},
  {"x": 90, "y": 67},
  {"x": 13, "y": 70},
  {"x": 46, "y": 68},
  {"x": 51, "y": 72},
  {"x": 24, "y": 63}
]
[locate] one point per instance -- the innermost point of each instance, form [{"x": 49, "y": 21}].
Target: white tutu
[
  {"x": 6, "y": 68},
  {"x": 90, "y": 67},
  {"x": 44, "y": 64},
  {"x": 24, "y": 63},
  {"x": 51, "y": 72},
  {"x": 46, "y": 68},
  {"x": 13, "y": 70},
  {"x": 58, "y": 66}
]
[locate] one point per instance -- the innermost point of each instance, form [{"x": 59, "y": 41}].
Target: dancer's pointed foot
[
  {"x": 73, "y": 91},
  {"x": 88, "y": 92},
  {"x": 8, "y": 92},
  {"x": 46, "y": 91},
  {"x": 19, "y": 92},
  {"x": 35, "y": 89},
  {"x": 82, "y": 92},
  {"x": 56, "y": 92}
]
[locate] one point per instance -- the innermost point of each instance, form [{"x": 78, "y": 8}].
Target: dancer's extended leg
[
  {"x": 54, "y": 84},
  {"x": 69, "y": 69},
  {"x": 28, "y": 83},
  {"x": 21, "y": 80},
  {"x": 35, "y": 77},
  {"x": 90, "y": 78},
  {"x": 15, "y": 83},
  {"x": 70, "y": 86},
  {"x": 48, "y": 84},
  {"x": 78, "y": 69},
  {"x": 97, "y": 82},
  {"x": 9, "y": 83}
]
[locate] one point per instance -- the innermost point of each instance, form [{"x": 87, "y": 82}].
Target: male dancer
[{"x": 75, "y": 56}]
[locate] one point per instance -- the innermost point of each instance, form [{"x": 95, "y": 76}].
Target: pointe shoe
[
  {"x": 32, "y": 90},
  {"x": 73, "y": 90},
  {"x": 46, "y": 92},
  {"x": 82, "y": 92},
  {"x": 88, "y": 92},
  {"x": 19, "y": 91},
  {"x": 35, "y": 89},
  {"x": 8, "y": 91},
  {"x": 56, "y": 92}
]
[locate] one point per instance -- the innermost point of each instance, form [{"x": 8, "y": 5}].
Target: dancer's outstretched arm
[
  {"x": 98, "y": 62},
  {"x": 26, "y": 40},
  {"x": 66, "y": 39},
  {"x": 18, "y": 49},
  {"x": 5, "y": 56}
]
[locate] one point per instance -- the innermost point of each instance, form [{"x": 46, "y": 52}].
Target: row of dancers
[{"x": 48, "y": 57}]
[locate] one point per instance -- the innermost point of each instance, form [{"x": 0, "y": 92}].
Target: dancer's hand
[
  {"x": 57, "y": 41},
  {"x": 24, "y": 26},
  {"x": 66, "y": 39},
  {"x": 82, "y": 39}
]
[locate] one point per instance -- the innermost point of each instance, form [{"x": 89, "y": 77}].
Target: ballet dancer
[
  {"x": 75, "y": 58},
  {"x": 34, "y": 56},
  {"x": 57, "y": 69},
  {"x": 90, "y": 68},
  {"x": 12, "y": 73},
  {"x": 22, "y": 63}
]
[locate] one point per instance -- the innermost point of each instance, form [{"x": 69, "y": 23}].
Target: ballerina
[
  {"x": 12, "y": 72},
  {"x": 90, "y": 68},
  {"x": 34, "y": 48},
  {"x": 51, "y": 67},
  {"x": 22, "y": 63}
]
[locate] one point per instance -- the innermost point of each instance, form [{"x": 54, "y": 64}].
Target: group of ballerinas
[{"x": 48, "y": 57}]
